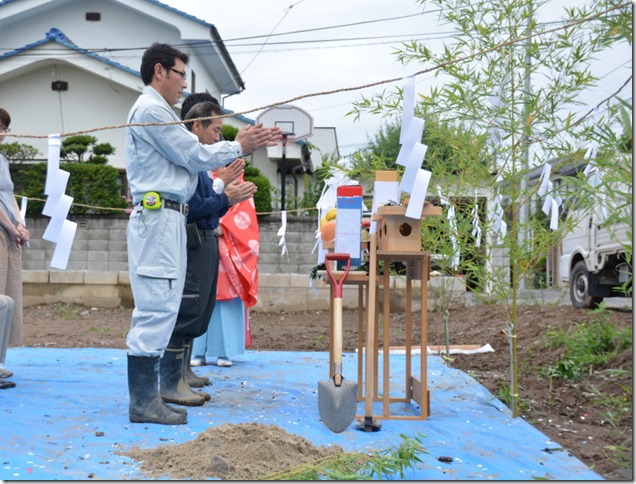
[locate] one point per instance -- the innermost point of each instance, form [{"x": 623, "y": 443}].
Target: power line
[
  {"x": 354, "y": 24},
  {"x": 349, "y": 39},
  {"x": 443, "y": 35},
  {"x": 392, "y": 39},
  {"x": 270, "y": 34}
]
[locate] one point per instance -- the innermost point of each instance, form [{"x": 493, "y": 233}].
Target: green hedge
[
  {"x": 263, "y": 197},
  {"x": 89, "y": 184}
]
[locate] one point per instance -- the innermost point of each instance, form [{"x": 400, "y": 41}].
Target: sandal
[
  {"x": 222, "y": 361},
  {"x": 5, "y": 373}
]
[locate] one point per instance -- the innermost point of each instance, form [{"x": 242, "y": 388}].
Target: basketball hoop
[
  {"x": 292, "y": 120},
  {"x": 296, "y": 124}
]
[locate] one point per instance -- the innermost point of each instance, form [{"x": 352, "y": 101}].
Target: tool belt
[
  {"x": 154, "y": 201},
  {"x": 179, "y": 207}
]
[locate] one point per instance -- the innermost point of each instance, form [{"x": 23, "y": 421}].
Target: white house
[{"x": 72, "y": 65}]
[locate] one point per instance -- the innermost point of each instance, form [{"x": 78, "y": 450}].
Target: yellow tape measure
[{"x": 151, "y": 201}]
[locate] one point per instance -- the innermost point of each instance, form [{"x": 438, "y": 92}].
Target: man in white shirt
[{"x": 163, "y": 161}]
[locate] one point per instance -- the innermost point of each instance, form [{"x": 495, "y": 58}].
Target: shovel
[{"x": 337, "y": 398}]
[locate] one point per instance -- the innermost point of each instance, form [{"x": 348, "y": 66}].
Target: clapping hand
[
  {"x": 237, "y": 192},
  {"x": 258, "y": 136},
  {"x": 231, "y": 172}
]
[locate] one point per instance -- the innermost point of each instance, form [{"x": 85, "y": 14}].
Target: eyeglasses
[
  {"x": 183, "y": 75},
  {"x": 4, "y": 129}
]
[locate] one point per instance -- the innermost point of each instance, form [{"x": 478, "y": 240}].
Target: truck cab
[{"x": 595, "y": 259}]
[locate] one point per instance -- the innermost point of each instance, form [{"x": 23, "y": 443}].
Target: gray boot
[
  {"x": 173, "y": 387},
  {"x": 192, "y": 378},
  {"x": 145, "y": 404}
]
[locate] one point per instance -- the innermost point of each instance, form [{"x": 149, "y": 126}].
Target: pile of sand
[{"x": 245, "y": 451}]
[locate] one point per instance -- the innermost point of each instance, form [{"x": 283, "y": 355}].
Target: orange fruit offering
[{"x": 328, "y": 231}]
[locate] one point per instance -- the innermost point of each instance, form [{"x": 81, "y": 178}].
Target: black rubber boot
[
  {"x": 145, "y": 403},
  {"x": 173, "y": 388},
  {"x": 4, "y": 384},
  {"x": 193, "y": 380}
]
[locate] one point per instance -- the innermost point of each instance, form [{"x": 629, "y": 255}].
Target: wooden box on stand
[{"x": 399, "y": 233}]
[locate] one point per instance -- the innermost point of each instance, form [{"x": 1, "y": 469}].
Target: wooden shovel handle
[
  {"x": 337, "y": 334},
  {"x": 337, "y": 311}
]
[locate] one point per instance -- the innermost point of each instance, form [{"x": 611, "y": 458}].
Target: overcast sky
[{"x": 278, "y": 72}]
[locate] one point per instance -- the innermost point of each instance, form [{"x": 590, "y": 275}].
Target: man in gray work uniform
[{"x": 163, "y": 161}]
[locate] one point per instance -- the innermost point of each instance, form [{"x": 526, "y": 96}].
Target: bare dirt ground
[{"x": 590, "y": 417}]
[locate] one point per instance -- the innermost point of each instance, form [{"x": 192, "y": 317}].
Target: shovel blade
[{"x": 337, "y": 404}]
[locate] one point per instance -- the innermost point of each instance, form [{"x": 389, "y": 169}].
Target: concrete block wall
[
  {"x": 98, "y": 289},
  {"x": 300, "y": 240},
  {"x": 97, "y": 273},
  {"x": 100, "y": 245}
]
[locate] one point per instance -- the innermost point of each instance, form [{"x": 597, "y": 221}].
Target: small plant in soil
[
  {"x": 587, "y": 346},
  {"x": 67, "y": 311}
]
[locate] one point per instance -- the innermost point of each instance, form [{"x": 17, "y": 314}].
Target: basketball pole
[{"x": 283, "y": 171}]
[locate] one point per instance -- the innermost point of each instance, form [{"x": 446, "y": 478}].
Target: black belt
[
  {"x": 179, "y": 207},
  {"x": 207, "y": 233}
]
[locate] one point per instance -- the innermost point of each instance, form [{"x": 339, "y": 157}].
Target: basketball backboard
[{"x": 294, "y": 121}]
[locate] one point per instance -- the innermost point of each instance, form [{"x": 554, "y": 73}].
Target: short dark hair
[
  {"x": 163, "y": 54},
  {"x": 203, "y": 110},
  {"x": 196, "y": 98},
  {"x": 5, "y": 118}
]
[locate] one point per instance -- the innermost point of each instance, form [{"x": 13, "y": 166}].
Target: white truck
[{"x": 593, "y": 259}]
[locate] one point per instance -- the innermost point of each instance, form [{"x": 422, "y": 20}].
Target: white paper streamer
[
  {"x": 53, "y": 164},
  {"x": 550, "y": 203},
  {"x": 59, "y": 230},
  {"x": 413, "y": 135},
  {"x": 281, "y": 233},
  {"x": 592, "y": 170},
  {"x": 418, "y": 194},
  {"x": 413, "y": 165},
  {"x": 53, "y": 231},
  {"x": 408, "y": 105},
  {"x": 328, "y": 200},
  {"x": 499, "y": 225},
  {"x": 23, "y": 209},
  {"x": 63, "y": 247},
  {"x": 452, "y": 223},
  {"x": 476, "y": 232}
]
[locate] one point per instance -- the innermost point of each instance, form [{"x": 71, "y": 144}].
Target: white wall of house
[
  {"x": 121, "y": 27},
  {"x": 90, "y": 102},
  {"x": 101, "y": 94}
]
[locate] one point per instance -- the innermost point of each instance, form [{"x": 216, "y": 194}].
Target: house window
[{"x": 93, "y": 16}]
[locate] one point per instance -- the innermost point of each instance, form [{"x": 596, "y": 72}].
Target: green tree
[
  {"x": 18, "y": 152},
  {"x": 537, "y": 74},
  {"x": 74, "y": 148}
]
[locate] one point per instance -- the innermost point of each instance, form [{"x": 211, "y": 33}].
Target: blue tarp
[{"x": 68, "y": 417}]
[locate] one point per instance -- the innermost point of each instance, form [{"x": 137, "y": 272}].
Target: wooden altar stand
[{"x": 388, "y": 245}]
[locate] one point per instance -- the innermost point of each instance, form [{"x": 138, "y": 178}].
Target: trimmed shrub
[
  {"x": 89, "y": 184},
  {"x": 263, "y": 197}
]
